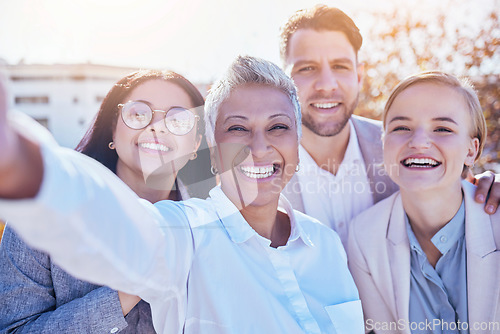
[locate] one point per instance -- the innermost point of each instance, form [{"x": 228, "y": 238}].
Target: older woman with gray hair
[{"x": 240, "y": 261}]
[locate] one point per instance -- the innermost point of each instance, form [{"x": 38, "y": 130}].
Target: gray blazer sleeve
[{"x": 37, "y": 297}]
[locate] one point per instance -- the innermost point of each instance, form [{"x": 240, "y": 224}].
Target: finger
[
  {"x": 493, "y": 197},
  {"x": 483, "y": 183}
]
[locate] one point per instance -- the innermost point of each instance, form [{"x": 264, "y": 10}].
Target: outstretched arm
[
  {"x": 21, "y": 166},
  {"x": 87, "y": 219}
]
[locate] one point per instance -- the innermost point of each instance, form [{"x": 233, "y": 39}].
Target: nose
[
  {"x": 259, "y": 145},
  {"x": 420, "y": 139},
  {"x": 326, "y": 79},
  {"x": 158, "y": 123}
]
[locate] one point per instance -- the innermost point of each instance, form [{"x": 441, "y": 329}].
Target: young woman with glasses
[{"x": 148, "y": 132}]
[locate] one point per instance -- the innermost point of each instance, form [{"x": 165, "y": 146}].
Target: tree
[{"x": 409, "y": 40}]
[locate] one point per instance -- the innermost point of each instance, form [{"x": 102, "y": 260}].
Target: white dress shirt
[
  {"x": 335, "y": 199},
  {"x": 198, "y": 263}
]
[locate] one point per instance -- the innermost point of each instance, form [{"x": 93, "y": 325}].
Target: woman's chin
[
  {"x": 248, "y": 195},
  {"x": 159, "y": 176}
]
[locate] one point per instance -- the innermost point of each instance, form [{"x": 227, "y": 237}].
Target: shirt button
[
  {"x": 114, "y": 330},
  {"x": 443, "y": 239},
  {"x": 341, "y": 224}
]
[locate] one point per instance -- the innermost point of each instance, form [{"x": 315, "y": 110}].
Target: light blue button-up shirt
[
  {"x": 438, "y": 296},
  {"x": 199, "y": 264}
]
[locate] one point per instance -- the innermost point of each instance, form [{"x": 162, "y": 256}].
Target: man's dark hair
[{"x": 319, "y": 17}]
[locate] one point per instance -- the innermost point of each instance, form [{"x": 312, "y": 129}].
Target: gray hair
[{"x": 248, "y": 70}]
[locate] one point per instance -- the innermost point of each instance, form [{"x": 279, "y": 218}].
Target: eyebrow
[
  {"x": 399, "y": 118},
  {"x": 246, "y": 118},
  {"x": 342, "y": 60},
  {"x": 333, "y": 61},
  {"x": 160, "y": 109},
  {"x": 444, "y": 119},
  {"x": 280, "y": 115},
  {"x": 142, "y": 101},
  {"x": 436, "y": 119},
  {"x": 237, "y": 117}
]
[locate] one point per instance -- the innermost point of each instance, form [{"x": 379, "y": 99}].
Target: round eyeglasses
[{"x": 138, "y": 115}]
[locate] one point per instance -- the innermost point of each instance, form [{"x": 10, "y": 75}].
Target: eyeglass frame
[{"x": 196, "y": 117}]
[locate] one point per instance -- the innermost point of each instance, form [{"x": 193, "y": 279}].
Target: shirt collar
[
  {"x": 296, "y": 229},
  {"x": 306, "y": 161},
  {"x": 352, "y": 157},
  {"x": 229, "y": 215},
  {"x": 449, "y": 234},
  {"x": 414, "y": 244},
  {"x": 239, "y": 230},
  {"x": 352, "y": 154},
  {"x": 446, "y": 237}
]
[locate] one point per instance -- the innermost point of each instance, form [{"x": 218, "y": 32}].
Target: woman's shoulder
[
  {"x": 469, "y": 191},
  {"x": 17, "y": 256},
  {"x": 13, "y": 246},
  {"x": 475, "y": 213}
]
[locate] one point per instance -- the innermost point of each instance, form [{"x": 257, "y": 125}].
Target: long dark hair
[{"x": 95, "y": 141}]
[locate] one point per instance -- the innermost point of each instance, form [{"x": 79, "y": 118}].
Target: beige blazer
[
  {"x": 369, "y": 138},
  {"x": 379, "y": 260}
]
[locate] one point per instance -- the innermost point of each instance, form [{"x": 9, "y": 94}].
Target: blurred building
[{"x": 62, "y": 97}]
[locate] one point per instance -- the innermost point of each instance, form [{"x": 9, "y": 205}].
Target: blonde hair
[{"x": 463, "y": 86}]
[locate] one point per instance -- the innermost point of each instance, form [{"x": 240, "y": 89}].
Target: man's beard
[{"x": 326, "y": 129}]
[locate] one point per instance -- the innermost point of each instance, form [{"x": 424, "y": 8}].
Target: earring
[
  {"x": 297, "y": 168},
  {"x": 213, "y": 170},
  {"x": 193, "y": 156},
  {"x": 111, "y": 145}
]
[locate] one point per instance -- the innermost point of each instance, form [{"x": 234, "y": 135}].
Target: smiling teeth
[
  {"x": 154, "y": 146},
  {"x": 420, "y": 162},
  {"x": 258, "y": 172},
  {"x": 325, "y": 105}
]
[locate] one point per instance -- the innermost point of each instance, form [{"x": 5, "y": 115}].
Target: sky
[{"x": 197, "y": 38}]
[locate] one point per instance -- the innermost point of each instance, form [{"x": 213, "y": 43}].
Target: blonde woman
[{"x": 427, "y": 259}]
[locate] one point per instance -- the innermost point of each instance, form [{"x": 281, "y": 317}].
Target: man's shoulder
[
  {"x": 360, "y": 121},
  {"x": 369, "y": 135}
]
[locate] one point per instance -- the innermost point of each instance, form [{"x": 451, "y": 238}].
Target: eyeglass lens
[{"x": 138, "y": 115}]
